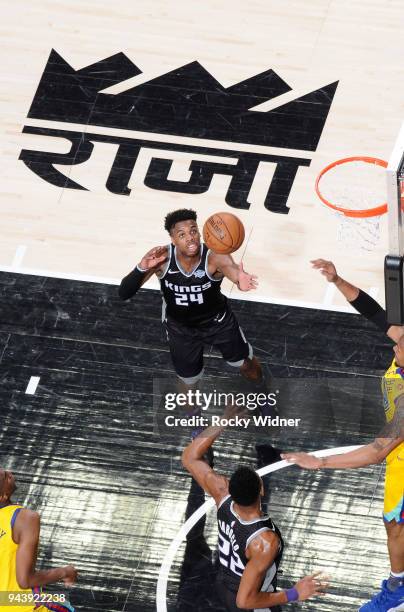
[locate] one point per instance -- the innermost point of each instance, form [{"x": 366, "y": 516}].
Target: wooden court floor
[{"x": 103, "y": 123}]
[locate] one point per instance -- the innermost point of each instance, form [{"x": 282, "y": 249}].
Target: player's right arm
[
  {"x": 26, "y": 533},
  {"x": 359, "y": 299},
  {"x": 192, "y": 458},
  {"x": 262, "y": 552},
  {"x": 151, "y": 263}
]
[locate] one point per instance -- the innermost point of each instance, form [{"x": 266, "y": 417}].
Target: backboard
[{"x": 393, "y": 265}]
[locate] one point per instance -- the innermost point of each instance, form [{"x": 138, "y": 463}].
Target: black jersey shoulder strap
[
  {"x": 222, "y": 502},
  {"x": 170, "y": 259}
]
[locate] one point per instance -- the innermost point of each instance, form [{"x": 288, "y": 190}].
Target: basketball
[{"x": 223, "y": 233}]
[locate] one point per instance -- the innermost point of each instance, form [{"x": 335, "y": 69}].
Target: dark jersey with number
[
  {"x": 235, "y": 535},
  {"x": 193, "y": 297}
]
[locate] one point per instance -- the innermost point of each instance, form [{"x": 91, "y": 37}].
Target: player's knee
[
  {"x": 394, "y": 530},
  {"x": 191, "y": 380},
  {"x": 244, "y": 361}
]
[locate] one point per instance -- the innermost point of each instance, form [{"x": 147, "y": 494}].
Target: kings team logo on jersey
[
  {"x": 186, "y": 102},
  {"x": 186, "y": 294}
]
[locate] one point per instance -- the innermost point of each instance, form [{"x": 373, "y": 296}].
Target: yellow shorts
[{"x": 394, "y": 486}]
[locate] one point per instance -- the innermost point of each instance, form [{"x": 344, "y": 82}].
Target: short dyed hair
[
  {"x": 245, "y": 486},
  {"x": 183, "y": 214}
]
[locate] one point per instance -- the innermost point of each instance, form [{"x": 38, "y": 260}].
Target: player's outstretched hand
[
  {"x": 154, "y": 258},
  {"x": 310, "y": 586},
  {"x": 70, "y": 576},
  {"x": 326, "y": 268},
  {"x": 246, "y": 281},
  {"x": 304, "y": 460}
]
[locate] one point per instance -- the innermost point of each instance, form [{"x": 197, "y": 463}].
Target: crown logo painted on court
[{"x": 187, "y": 101}]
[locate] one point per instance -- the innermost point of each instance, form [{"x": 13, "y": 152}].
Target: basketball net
[{"x": 354, "y": 189}]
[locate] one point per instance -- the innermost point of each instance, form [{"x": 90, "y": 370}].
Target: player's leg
[
  {"x": 391, "y": 596},
  {"x": 251, "y": 369},
  {"x": 186, "y": 351},
  {"x": 395, "y": 544},
  {"x": 394, "y": 522},
  {"x": 395, "y": 582},
  {"x": 227, "y": 336}
]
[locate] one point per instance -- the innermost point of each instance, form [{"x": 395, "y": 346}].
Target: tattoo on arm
[
  {"x": 395, "y": 428},
  {"x": 380, "y": 443}
]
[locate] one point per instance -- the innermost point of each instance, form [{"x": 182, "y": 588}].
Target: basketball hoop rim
[{"x": 363, "y": 213}]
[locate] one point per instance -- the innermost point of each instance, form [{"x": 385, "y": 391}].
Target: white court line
[
  {"x": 161, "y": 591},
  {"x": 66, "y": 275},
  {"x": 329, "y": 294},
  {"x": 167, "y": 138},
  {"x": 236, "y": 296},
  {"x": 32, "y": 385},
  {"x": 19, "y": 256}
]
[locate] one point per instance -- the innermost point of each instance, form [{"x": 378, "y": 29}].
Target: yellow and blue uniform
[
  {"x": 8, "y": 553},
  {"x": 393, "y": 388},
  {"x": 9, "y": 586}
]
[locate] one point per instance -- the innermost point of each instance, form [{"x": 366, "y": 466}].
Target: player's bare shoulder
[
  {"x": 27, "y": 522},
  {"x": 216, "y": 261},
  {"x": 29, "y": 517},
  {"x": 265, "y": 545}
]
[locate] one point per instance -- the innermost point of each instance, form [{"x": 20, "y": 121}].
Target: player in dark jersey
[
  {"x": 249, "y": 545},
  {"x": 195, "y": 312}
]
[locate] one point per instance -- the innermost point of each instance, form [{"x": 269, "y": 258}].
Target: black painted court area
[{"x": 89, "y": 454}]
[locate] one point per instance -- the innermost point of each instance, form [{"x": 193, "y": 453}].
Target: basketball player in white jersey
[{"x": 195, "y": 312}]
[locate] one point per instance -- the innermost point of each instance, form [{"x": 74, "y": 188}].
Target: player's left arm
[
  {"x": 261, "y": 553},
  {"x": 225, "y": 265},
  {"x": 192, "y": 459},
  {"x": 26, "y": 533},
  {"x": 359, "y": 299}
]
